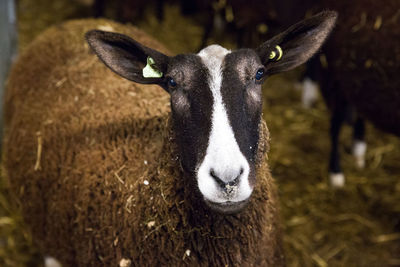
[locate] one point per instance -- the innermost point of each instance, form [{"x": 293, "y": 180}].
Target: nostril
[
  {"x": 217, "y": 179},
  {"x": 224, "y": 184},
  {"x": 212, "y": 173},
  {"x": 234, "y": 182}
]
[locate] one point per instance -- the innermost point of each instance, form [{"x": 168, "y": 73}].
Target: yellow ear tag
[
  {"x": 276, "y": 54},
  {"x": 149, "y": 71}
]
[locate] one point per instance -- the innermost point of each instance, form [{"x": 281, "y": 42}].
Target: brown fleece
[{"x": 92, "y": 158}]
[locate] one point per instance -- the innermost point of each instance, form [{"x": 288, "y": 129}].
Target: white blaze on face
[{"x": 223, "y": 155}]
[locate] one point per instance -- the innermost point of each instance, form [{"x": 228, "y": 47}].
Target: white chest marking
[{"x": 223, "y": 155}]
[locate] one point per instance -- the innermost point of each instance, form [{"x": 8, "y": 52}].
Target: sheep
[
  {"x": 363, "y": 62},
  {"x": 108, "y": 173}
]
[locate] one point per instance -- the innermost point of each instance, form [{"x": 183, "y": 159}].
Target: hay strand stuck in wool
[
  {"x": 39, "y": 151},
  {"x": 116, "y": 173}
]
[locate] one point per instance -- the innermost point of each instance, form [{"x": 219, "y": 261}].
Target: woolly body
[{"x": 92, "y": 158}]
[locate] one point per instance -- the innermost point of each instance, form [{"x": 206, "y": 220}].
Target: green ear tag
[
  {"x": 149, "y": 71},
  {"x": 276, "y": 54}
]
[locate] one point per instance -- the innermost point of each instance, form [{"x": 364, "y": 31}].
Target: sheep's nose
[{"x": 227, "y": 181}]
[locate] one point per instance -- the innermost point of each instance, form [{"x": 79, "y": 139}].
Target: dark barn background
[{"x": 357, "y": 225}]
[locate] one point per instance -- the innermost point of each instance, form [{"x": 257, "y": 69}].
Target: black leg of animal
[
  {"x": 313, "y": 68},
  {"x": 359, "y": 129},
  {"x": 359, "y": 145},
  {"x": 309, "y": 82},
  {"x": 337, "y": 119}
]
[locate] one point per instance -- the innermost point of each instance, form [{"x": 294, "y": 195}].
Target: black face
[
  {"x": 216, "y": 110},
  {"x": 192, "y": 102},
  {"x": 216, "y": 100}
]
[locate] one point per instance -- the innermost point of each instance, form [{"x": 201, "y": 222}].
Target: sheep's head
[{"x": 216, "y": 100}]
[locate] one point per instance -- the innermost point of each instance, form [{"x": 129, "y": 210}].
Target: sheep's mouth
[{"x": 228, "y": 207}]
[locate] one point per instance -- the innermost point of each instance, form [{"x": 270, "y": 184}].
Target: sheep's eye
[
  {"x": 171, "y": 82},
  {"x": 259, "y": 74}
]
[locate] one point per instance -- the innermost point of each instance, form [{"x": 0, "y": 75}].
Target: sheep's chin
[{"x": 228, "y": 207}]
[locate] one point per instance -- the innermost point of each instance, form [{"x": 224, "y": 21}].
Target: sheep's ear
[
  {"x": 297, "y": 44},
  {"x": 128, "y": 58}
]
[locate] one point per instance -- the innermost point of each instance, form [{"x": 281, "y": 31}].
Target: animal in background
[
  {"x": 356, "y": 71},
  {"x": 363, "y": 64}
]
